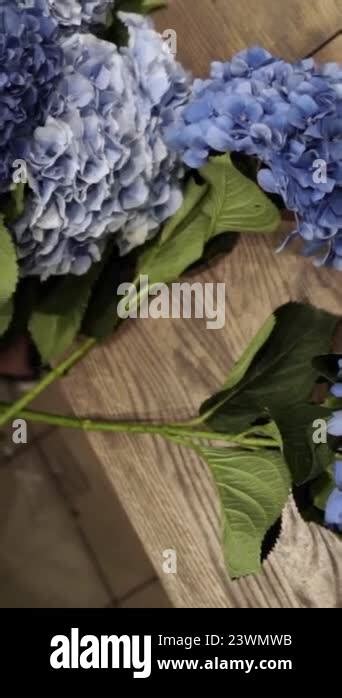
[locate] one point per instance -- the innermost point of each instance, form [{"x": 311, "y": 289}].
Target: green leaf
[
  {"x": 6, "y": 313},
  {"x": 16, "y": 202},
  {"x": 306, "y": 459},
  {"x": 116, "y": 31},
  {"x": 152, "y": 5},
  {"x": 226, "y": 201},
  {"x": 192, "y": 205},
  {"x": 181, "y": 242},
  {"x": 219, "y": 246},
  {"x": 8, "y": 265},
  {"x": 27, "y": 294},
  {"x": 278, "y": 383},
  {"x": 333, "y": 403},
  {"x": 101, "y": 318},
  {"x": 235, "y": 202},
  {"x": 242, "y": 365},
  {"x": 57, "y": 319},
  {"x": 268, "y": 430},
  {"x": 321, "y": 489},
  {"x": 140, "y": 7},
  {"x": 253, "y": 488}
]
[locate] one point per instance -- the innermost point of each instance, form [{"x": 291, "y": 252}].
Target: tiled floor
[{"x": 64, "y": 541}]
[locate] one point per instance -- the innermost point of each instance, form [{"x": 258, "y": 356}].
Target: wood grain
[
  {"x": 163, "y": 370},
  {"x": 209, "y": 30}
]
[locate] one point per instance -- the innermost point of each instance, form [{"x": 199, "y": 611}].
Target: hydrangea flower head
[
  {"x": 99, "y": 165},
  {"x": 289, "y": 116},
  {"x": 30, "y": 65}
]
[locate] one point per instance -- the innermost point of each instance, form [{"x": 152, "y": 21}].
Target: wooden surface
[
  {"x": 65, "y": 543},
  {"x": 164, "y": 369},
  {"x": 43, "y": 559}
]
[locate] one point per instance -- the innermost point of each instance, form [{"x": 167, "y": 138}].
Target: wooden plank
[
  {"x": 43, "y": 559},
  {"x": 209, "y": 30},
  {"x": 332, "y": 51},
  {"x": 163, "y": 370},
  {"x": 98, "y": 516},
  {"x": 103, "y": 523}
]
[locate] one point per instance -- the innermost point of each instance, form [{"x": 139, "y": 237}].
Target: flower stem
[
  {"x": 16, "y": 407},
  {"x": 174, "y": 432}
]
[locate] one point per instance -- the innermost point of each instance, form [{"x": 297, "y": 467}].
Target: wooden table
[{"x": 165, "y": 369}]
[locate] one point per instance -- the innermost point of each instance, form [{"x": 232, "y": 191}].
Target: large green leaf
[
  {"x": 181, "y": 242},
  {"x": 278, "y": 383},
  {"x": 242, "y": 365},
  {"x": 226, "y": 201},
  {"x": 253, "y": 488},
  {"x": 193, "y": 204},
  {"x": 235, "y": 202},
  {"x": 8, "y": 265},
  {"x": 55, "y": 322}
]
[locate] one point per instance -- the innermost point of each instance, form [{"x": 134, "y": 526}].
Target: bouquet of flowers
[{"x": 117, "y": 165}]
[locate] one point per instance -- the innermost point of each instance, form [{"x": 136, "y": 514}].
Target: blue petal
[
  {"x": 267, "y": 181},
  {"x": 336, "y": 390},
  {"x": 218, "y": 140},
  {"x": 338, "y": 473},
  {"x": 335, "y": 424},
  {"x": 333, "y": 511},
  {"x": 195, "y": 158}
]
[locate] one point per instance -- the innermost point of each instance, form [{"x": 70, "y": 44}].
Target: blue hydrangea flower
[
  {"x": 99, "y": 165},
  {"x": 338, "y": 474},
  {"x": 336, "y": 390},
  {"x": 30, "y": 65},
  {"x": 80, "y": 13},
  {"x": 288, "y": 116},
  {"x": 333, "y": 512},
  {"x": 335, "y": 424}
]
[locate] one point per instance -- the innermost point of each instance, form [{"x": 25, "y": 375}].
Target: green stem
[
  {"x": 217, "y": 436},
  {"x": 174, "y": 432},
  {"x": 86, "y": 424},
  {"x": 15, "y": 408}
]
